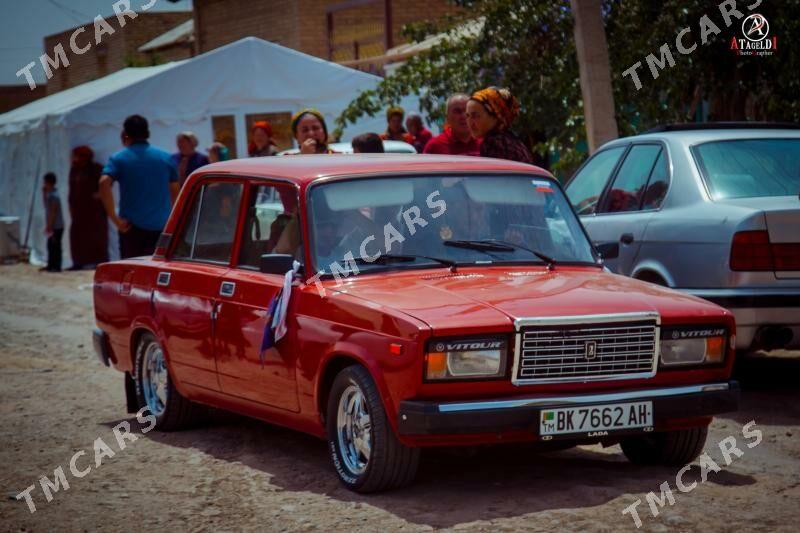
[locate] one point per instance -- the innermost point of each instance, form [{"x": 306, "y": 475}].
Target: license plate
[{"x": 596, "y": 420}]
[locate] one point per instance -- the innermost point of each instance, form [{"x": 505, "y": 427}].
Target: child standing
[{"x": 54, "y": 228}]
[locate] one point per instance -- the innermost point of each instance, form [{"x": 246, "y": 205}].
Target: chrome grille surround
[{"x": 554, "y": 349}]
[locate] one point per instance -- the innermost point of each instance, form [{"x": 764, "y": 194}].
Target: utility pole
[{"x": 595, "y": 71}]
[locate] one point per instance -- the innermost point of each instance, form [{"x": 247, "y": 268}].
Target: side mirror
[
  {"x": 276, "y": 263},
  {"x": 608, "y": 250}
]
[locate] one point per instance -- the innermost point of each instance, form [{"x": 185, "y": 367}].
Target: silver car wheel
[
  {"x": 154, "y": 379},
  {"x": 354, "y": 429}
]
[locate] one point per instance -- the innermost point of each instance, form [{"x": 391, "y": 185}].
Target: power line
[{"x": 77, "y": 16}]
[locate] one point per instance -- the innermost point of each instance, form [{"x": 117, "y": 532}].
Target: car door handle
[
  {"x": 626, "y": 238},
  {"x": 227, "y": 289}
]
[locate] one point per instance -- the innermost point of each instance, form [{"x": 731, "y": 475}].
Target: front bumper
[{"x": 502, "y": 415}]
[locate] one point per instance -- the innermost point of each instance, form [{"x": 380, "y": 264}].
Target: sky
[{"x": 25, "y": 23}]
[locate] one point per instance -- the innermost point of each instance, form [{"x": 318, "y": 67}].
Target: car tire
[
  {"x": 365, "y": 452},
  {"x": 155, "y": 390},
  {"x": 670, "y": 448}
]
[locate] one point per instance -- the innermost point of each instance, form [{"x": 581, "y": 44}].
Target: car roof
[
  {"x": 698, "y": 136},
  {"x": 304, "y": 169},
  {"x": 394, "y": 147}
]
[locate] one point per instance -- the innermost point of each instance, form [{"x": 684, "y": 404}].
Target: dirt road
[{"x": 237, "y": 474}]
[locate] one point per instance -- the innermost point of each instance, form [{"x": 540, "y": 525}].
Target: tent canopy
[
  {"x": 249, "y": 72},
  {"x": 250, "y": 76}
]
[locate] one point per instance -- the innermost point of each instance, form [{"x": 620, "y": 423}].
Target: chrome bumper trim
[{"x": 581, "y": 399}]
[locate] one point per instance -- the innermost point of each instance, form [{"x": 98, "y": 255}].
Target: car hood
[{"x": 491, "y": 298}]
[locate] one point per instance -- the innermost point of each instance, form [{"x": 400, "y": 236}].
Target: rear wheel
[
  {"x": 670, "y": 448},
  {"x": 365, "y": 451},
  {"x": 155, "y": 390}
]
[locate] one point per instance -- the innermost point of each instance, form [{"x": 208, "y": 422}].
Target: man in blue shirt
[{"x": 148, "y": 185}]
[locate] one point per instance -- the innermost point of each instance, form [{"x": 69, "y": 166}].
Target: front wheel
[
  {"x": 365, "y": 451},
  {"x": 155, "y": 390},
  {"x": 670, "y": 448}
]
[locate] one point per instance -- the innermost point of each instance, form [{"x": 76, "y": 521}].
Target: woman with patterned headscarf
[
  {"x": 394, "y": 126},
  {"x": 490, "y": 113},
  {"x": 311, "y": 132}
]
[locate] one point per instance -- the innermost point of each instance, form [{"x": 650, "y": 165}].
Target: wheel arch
[
  {"x": 138, "y": 329},
  {"x": 653, "y": 272},
  {"x": 334, "y": 363}
]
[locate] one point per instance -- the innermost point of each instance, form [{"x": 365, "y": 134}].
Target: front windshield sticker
[{"x": 542, "y": 186}]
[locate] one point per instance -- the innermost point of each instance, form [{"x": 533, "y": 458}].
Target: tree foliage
[{"x": 528, "y": 46}]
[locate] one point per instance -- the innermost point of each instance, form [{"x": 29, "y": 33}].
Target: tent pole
[{"x": 30, "y": 208}]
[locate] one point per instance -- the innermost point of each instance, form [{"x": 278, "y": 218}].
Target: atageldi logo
[{"x": 755, "y": 40}]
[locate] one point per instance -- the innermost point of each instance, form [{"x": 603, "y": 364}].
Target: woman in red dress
[{"x": 88, "y": 232}]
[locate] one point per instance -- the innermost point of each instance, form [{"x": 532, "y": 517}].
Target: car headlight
[
  {"x": 465, "y": 358},
  {"x": 693, "y": 346}
]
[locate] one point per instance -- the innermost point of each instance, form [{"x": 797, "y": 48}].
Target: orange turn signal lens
[
  {"x": 715, "y": 349},
  {"x": 435, "y": 365}
]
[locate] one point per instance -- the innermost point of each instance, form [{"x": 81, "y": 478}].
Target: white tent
[{"x": 246, "y": 77}]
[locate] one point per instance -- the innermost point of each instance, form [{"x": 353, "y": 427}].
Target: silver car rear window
[{"x": 748, "y": 168}]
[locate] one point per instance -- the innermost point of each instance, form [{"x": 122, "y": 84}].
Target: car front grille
[{"x": 624, "y": 349}]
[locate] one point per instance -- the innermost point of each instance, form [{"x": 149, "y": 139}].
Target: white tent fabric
[{"x": 248, "y": 76}]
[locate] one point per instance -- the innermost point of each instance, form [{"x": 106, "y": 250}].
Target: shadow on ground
[{"x": 451, "y": 488}]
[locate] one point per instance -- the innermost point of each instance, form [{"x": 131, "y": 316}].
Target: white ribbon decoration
[{"x": 279, "y": 318}]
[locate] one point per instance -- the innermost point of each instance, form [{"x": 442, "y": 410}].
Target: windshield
[
  {"x": 750, "y": 168},
  {"x": 442, "y": 219}
]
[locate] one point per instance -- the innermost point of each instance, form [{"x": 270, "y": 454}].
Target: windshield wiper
[
  {"x": 496, "y": 245},
  {"x": 385, "y": 259},
  {"x": 482, "y": 246}
]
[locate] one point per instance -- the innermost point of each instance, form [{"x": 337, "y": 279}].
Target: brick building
[
  {"x": 13, "y": 96},
  {"x": 115, "y": 52},
  {"x": 330, "y": 29}
]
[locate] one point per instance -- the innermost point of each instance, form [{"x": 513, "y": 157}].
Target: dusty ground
[{"x": 238, "y": 474}]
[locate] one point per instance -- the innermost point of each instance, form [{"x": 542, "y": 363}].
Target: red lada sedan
[{"x": 389, "y": 303}]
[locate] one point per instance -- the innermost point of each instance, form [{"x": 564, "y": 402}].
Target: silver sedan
[{"x": 712, "y": 210}]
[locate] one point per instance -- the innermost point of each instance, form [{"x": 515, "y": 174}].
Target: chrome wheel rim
[
  {"x": 354, "y": 429},
  {"x": 154, "y": 379}
]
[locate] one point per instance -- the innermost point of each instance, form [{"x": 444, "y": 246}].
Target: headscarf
[
  {"x": 392, "y": 111},
  {"x": 262, "y": 125},
  {"x": 84, "y": 152},
  {"x": 500, "y": 103},
  {"x": 309, "y": 111},
  {"x": 222, "y": 151},
  {"x": 266, "y": 127},
  {"x": 401, "y": 134}
]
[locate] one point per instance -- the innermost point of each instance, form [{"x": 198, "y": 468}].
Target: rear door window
[
  {"x": 658, "y": 184},
  {"x": 210, "y": 228},
  {"x": 585, "y": 189},
  {"x": 628, "y": 189},
  {"x": 271, "y": 225}
]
